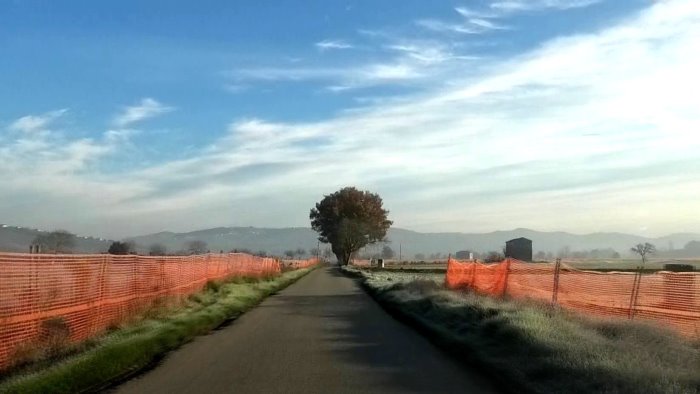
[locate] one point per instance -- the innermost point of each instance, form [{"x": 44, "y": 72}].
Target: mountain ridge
[{"x": 410, "y": 242}]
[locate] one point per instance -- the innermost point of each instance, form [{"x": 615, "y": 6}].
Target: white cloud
[
  {"x": 408, "y": 61},
  {"x": 385, "y": 72},
  {"x": 585, "y": 133},
  {"x": 445, "y": 27},
  {"x": 474, "y": 22},
  {"x": 345, "y": 78},
  {"x": 34, "y": 123},
  {"x": 147, "y": 108},
  {"x": 287, "y": 73},
  {"x": 426, "y": 53},
  {"x": 470, "y": 13},
  {"x": 487, "y": 24},
  {"x": 530, "y": 5},
  {"x": 333, "y": 44}
]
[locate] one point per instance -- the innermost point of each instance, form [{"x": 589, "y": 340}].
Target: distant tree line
[
  {"x": 691, "y": 249},
  {"x": 58, "y": 241}
]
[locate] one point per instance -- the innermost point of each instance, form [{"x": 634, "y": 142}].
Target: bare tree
[
  {"x": 59, "y": 241},
  {"x": 643, "y": 250},
  {"x": 300, "y": 252},
  {"x": 289, "y": 253}
]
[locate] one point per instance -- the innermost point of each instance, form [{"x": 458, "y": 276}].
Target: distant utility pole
[{"x": 400, "y": 253}]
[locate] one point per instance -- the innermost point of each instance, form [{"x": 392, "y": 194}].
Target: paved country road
[{"x": 321, "y": 335}]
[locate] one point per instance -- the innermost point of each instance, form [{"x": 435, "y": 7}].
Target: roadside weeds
[{"x": 529, "y": 347}]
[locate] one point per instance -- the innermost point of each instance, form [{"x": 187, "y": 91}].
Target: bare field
[
  {"x": 629, "y": 264},
  {"x": 587, "y": 264}
]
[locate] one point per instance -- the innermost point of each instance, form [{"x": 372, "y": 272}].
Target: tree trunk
[{"x": 346, "y": 258}]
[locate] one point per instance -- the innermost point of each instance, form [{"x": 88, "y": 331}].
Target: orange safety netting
[
  {"x": 668, "y": 298},
  {"x": 82, "y": 295}
]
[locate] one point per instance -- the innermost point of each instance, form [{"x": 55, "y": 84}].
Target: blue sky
[{"x": 122, "y": 118}]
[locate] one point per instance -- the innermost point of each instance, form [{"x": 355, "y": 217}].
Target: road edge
[{"x": 442, "y": 339}]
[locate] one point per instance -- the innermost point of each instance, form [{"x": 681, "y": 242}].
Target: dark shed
[{"x": 519, "y": 248}]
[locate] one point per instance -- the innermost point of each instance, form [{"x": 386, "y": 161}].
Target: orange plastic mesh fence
[
  {"x": 82, "y": 295},
  {"x": 671, "y": 299}
]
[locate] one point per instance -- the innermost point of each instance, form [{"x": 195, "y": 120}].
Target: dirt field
[{"x": 588, "y": 264}]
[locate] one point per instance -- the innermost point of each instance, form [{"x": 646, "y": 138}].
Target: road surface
[{"x": 323, "y": 334}]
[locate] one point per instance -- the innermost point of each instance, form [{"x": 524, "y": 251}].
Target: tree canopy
[
  {"x": 348, "y": 220},
  {"x": 118, "y": 247},
  {"x": 388, "y": 252},
  {"x": 692, "y": 246},
  {"x": 58, "y": 241}
]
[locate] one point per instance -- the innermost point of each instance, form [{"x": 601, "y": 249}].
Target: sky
[{"x": 121, "y": 118}]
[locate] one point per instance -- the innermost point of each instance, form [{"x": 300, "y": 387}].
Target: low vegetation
[
  {"x": 127, "y": 350},
  {"x": 531, "y": 348}
]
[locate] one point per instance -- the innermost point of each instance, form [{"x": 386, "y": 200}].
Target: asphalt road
[{"x": 321, "y": 335}]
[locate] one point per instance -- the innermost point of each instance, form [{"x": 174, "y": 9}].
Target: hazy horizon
[
  {"x": 193, "y": 230},
  {"x": 566, "y": 115}
]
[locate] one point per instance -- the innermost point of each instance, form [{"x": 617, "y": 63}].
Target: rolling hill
[
  {"x": 277, "y": 240},
  {"x": 18, "y": 239}
]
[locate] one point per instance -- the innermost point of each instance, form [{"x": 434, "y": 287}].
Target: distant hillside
[
  {"x": 412, "y": 242},
  {"x": 277, "y": 240},
  {"x": 270, "y": 240},
  {"x": 18, "y": 239}
]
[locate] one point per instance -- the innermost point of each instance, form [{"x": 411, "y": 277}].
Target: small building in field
[{"x": 519, "y": 248}]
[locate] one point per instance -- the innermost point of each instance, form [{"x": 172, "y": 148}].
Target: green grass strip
[{"x": 129, "y": 350}]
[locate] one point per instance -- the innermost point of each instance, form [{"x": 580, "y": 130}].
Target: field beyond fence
[
  {"x": 670, "y": 299},
  {"x": 50, "y": 299}
]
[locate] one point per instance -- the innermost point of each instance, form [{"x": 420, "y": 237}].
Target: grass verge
[
  {"x": 126, "y": 351},
  {"x": 529, "y": 347}
]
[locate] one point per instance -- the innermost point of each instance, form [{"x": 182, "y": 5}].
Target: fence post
[
  {"x": 100, "y": 298},
  {"x": 505, "y": 281},
  {"x": 36, "y": 293},
  {"x": 163, "y": 283},
  {"x": 206, "y": 267},
  {"x": 635, "y": 292},
  {"x": 136, "y": 303},
  {"x": 555, "y": 286}
]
